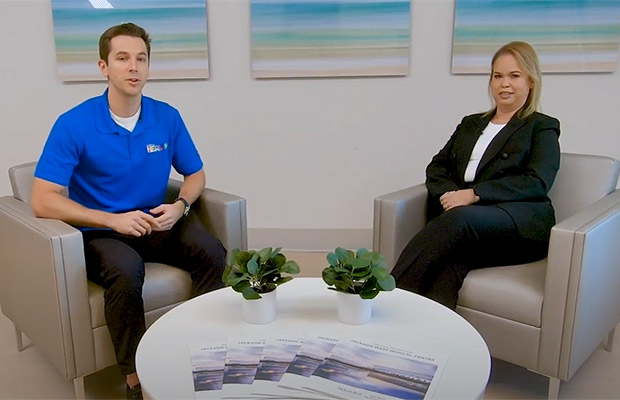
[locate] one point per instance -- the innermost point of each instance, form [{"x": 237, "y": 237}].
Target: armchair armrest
[
  {"x": 43, "y": 285},
  {"x": 223, "y": 214},
  {"x": 398, "y": 216},
  {"x": 582, "y": 296}
]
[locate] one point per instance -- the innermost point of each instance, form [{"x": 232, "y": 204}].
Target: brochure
[
  {"x": 378, "y": 372},
  {"x": 239, "y": 368},
  {"x": 207, "y": 366},
  {"x": 242, "y": 357},
  {"x": 311, "y": 354},
  {"x": 316, "y": 368},
  {"x": 277, "y": 356}
]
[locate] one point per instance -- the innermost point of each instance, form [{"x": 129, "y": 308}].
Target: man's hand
[
  {"x": 458, "y": 198},
  {"x": 133, "y": 223},
  {"x": 167, "y": 215}
]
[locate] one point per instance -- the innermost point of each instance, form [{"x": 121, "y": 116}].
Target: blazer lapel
[
  {"x": 466, "y": 145},
  {"x": 499, "y": 141}
]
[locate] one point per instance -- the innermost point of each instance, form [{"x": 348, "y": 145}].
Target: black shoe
[{"x": 134, "y": 393}]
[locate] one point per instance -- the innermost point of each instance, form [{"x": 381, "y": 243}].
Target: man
[{"x": 114, "y": 153}]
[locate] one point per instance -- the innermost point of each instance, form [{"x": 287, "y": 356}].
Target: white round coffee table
[{"x": 306, "y": 308}]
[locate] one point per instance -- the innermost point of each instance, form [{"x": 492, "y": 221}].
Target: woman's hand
[{"x": 457, "y": 198}]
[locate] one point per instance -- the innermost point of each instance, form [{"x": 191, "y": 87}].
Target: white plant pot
[
  {"x": 352, "y": 309},
  {"x": 260, "y": 311}
]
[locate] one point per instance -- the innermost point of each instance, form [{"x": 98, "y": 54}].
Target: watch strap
[{"x": 185, "y": 203}]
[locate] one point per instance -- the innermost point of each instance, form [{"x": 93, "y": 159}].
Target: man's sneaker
[{"x": 134, "y": 393}]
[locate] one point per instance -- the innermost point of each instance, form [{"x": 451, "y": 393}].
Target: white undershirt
[
  {"x": 481, "y": 145},
  {"x": 127, "y": 122}
]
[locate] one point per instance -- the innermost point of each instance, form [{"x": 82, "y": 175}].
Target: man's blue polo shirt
[{"x": 108, "y": 168}]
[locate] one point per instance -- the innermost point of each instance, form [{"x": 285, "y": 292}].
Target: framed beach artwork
[
  {"x": 568, "y": 35},
  {"x": 329, "y": 38},
  {"x": 178, "y": 30}
]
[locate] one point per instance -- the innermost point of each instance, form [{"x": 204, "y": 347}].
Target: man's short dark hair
[{"x": 126, "y": 29}]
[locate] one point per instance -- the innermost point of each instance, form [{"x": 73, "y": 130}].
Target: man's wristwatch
[{"x": 185, "y": 203}]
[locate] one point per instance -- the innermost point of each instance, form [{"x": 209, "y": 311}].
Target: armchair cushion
[{"x": 503, "y": 287}]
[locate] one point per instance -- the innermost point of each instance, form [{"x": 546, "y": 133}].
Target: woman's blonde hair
[{"x": 528, "y": 61}]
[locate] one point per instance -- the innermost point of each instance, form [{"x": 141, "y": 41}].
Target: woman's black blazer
[{"x": 515, "y": 173}]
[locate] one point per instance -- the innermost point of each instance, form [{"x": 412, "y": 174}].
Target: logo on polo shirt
[{"x": 153, "y": 148}]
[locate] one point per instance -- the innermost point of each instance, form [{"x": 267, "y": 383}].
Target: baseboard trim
[{"x": 309, "y": 239}]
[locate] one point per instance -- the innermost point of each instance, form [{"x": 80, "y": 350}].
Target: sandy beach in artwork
[
  {"x": 186, "y": 64},
  {"x": 332, "y": 38}
]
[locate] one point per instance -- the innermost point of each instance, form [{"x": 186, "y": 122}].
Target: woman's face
[{"x": 510, "y": 86}]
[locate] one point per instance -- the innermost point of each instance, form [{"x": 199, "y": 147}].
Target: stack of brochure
[{"x": 311, "y": 368}]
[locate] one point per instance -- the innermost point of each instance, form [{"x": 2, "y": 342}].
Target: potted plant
[
  {"x": 358, "y": 278},
  {"x": 256, "y": 275}
]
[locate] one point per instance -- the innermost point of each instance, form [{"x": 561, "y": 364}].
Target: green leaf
[
  {"x": 225, "y": 274},
  {"x": 380, "y": 273},
  {"x": 290, "y": 267},
  {"x": 342, "y": 269},
  {"x": 242, "y": 259},
  {"x": 344, "y": 283},
  {"x": 250, "y": 294},
  {"x": 329, "y": 276},
  {"x": 236, "y": 277},
  {"x": 267, "y": 270},
  {"x": 264, "y": 255},
  {"x": 277, "y": 260},
  {"x": 232, "y": 257},
  {"x": 252, "y": 266},
  {"x": 361, "y": 273},
  {"x": 369, "y": 293},
  {"x": 387, "y": 284},
  {"x": 379, "y": 262},
  {"x": 344, "y": 255},
  {"x": 360, "y": 263},
  {"x": 283, "y": 279},
  {"x": 332, "y": 259},
  {"x": 240, "y": 287},
  {"x": 275, "y": 252},
  {"x": 342, "y": 286},
  {"x": 361, "y": 252}
]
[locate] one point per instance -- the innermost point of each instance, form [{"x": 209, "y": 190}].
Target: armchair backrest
[
  {"x": 582, "y": 180},
  {"x": 21, "y": 177}
]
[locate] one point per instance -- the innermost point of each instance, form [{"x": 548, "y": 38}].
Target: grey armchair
[
  {"x": 43, "y": 286},
  {"x": 547, "y": 316}
]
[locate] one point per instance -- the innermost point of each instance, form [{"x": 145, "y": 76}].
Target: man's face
[{"x": 127, "y": 67}]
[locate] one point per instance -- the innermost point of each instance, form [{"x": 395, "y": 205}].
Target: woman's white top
[
  {"x": 481, "y": 145},
  {"x": 127, "y": 122}
]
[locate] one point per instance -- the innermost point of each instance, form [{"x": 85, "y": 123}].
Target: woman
[{"x": 487, "y": 188}]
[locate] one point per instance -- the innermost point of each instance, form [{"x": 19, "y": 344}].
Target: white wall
[{"x": 309, "y": 155}]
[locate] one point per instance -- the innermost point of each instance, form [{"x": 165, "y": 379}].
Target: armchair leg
[
  {"x": 78, "y": 385},
  {"x": 554, "y": 388},
  {"x": 19, "y": 339}
]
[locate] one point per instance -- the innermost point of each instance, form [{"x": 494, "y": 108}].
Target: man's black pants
[{"x": 116, "y": 262}]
